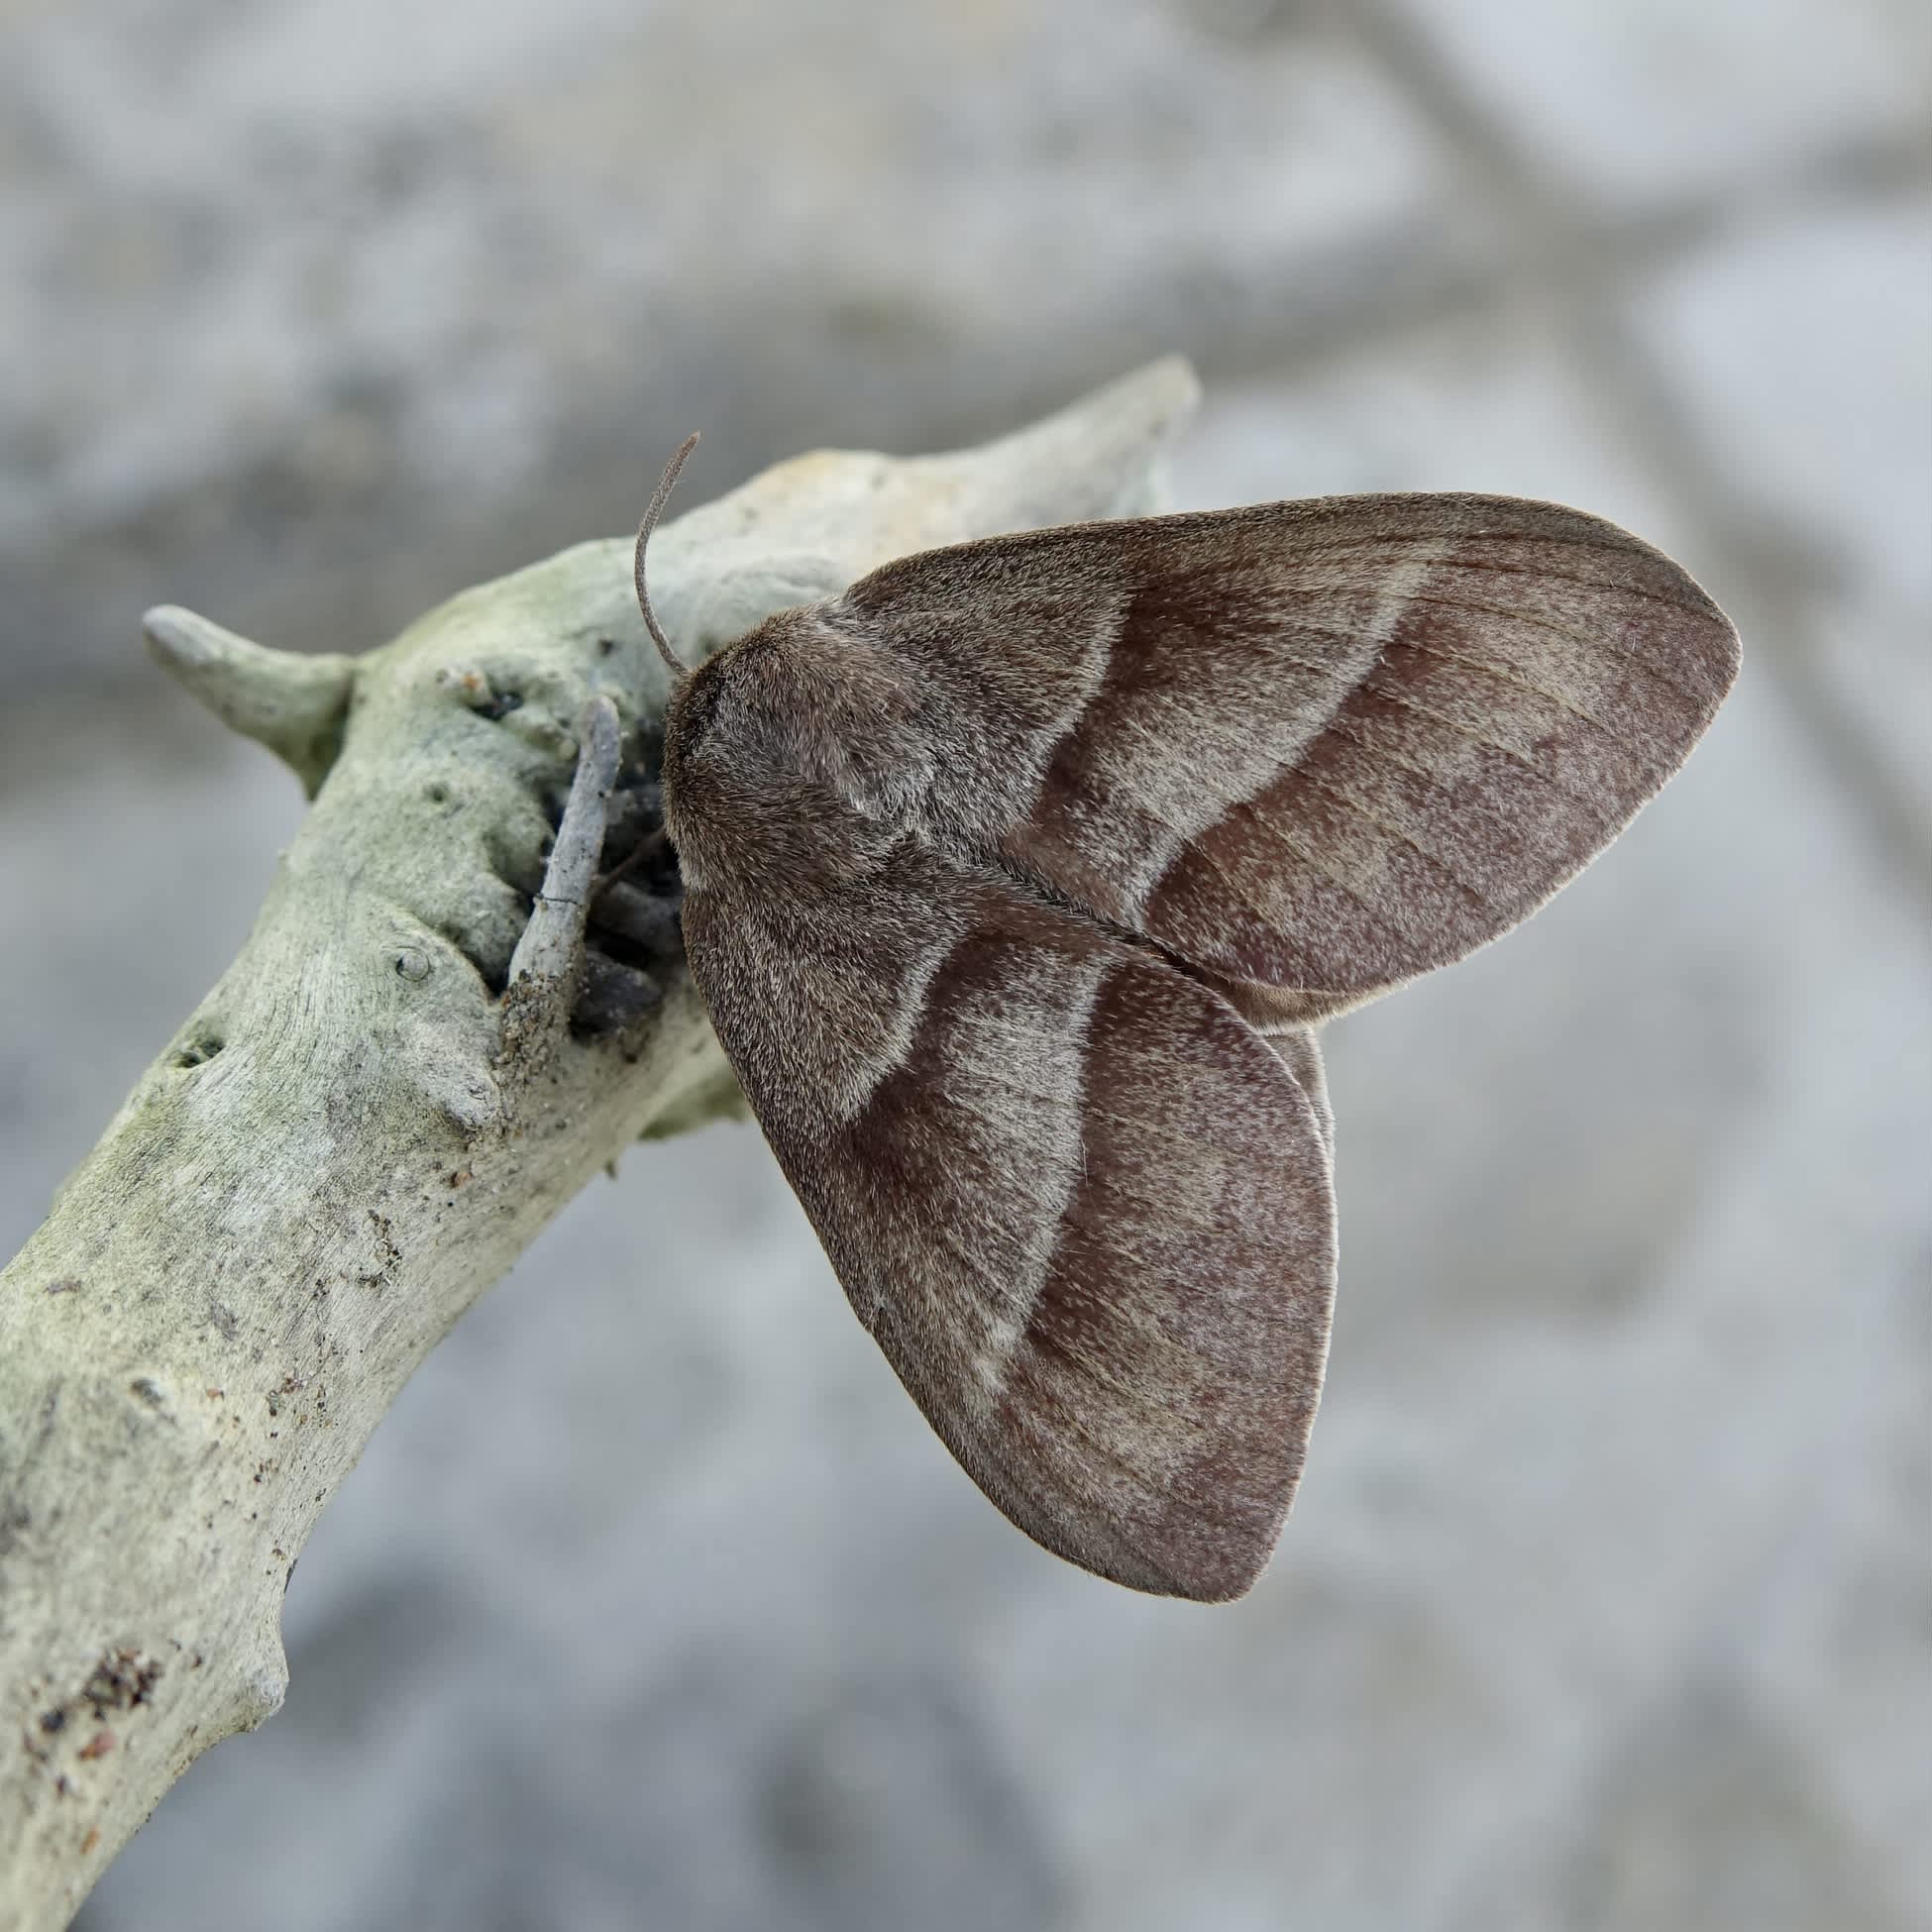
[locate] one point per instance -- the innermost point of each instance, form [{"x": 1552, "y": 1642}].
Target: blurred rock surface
[{"x": 1608, "y": 1602}]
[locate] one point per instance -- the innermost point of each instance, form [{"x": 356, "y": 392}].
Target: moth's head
[
  {"x": 746, "y": 708},
  {"x": 792, "y": 728}
]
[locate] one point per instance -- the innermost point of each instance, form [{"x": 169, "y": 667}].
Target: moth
[{"x": 1019, "y": 878}]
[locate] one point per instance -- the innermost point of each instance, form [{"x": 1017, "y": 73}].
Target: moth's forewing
[{"x": 1312, "y": 749}]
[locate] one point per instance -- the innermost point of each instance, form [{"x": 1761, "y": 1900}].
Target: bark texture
[{"x": 382, "y": 1101}]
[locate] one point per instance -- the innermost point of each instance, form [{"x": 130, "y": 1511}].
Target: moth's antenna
[{"x": 659, "y": 497}]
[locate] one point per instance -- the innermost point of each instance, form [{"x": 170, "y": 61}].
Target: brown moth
[{"x": 1018, "y": 878}]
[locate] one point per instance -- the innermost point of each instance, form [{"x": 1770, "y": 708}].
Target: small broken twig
[{"x": 547, "y": 967}]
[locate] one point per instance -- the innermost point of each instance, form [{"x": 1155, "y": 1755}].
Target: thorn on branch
[{"x": 293, "y": 704}]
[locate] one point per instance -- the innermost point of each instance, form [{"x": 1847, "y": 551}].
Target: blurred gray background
[{"x": 1608, "y": 1599}]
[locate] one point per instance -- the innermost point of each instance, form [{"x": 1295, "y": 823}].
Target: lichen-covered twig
[{"x": 313, "y": 1179}]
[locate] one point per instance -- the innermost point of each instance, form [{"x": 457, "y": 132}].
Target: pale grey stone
[{"x": 1605, "y": 1600}]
